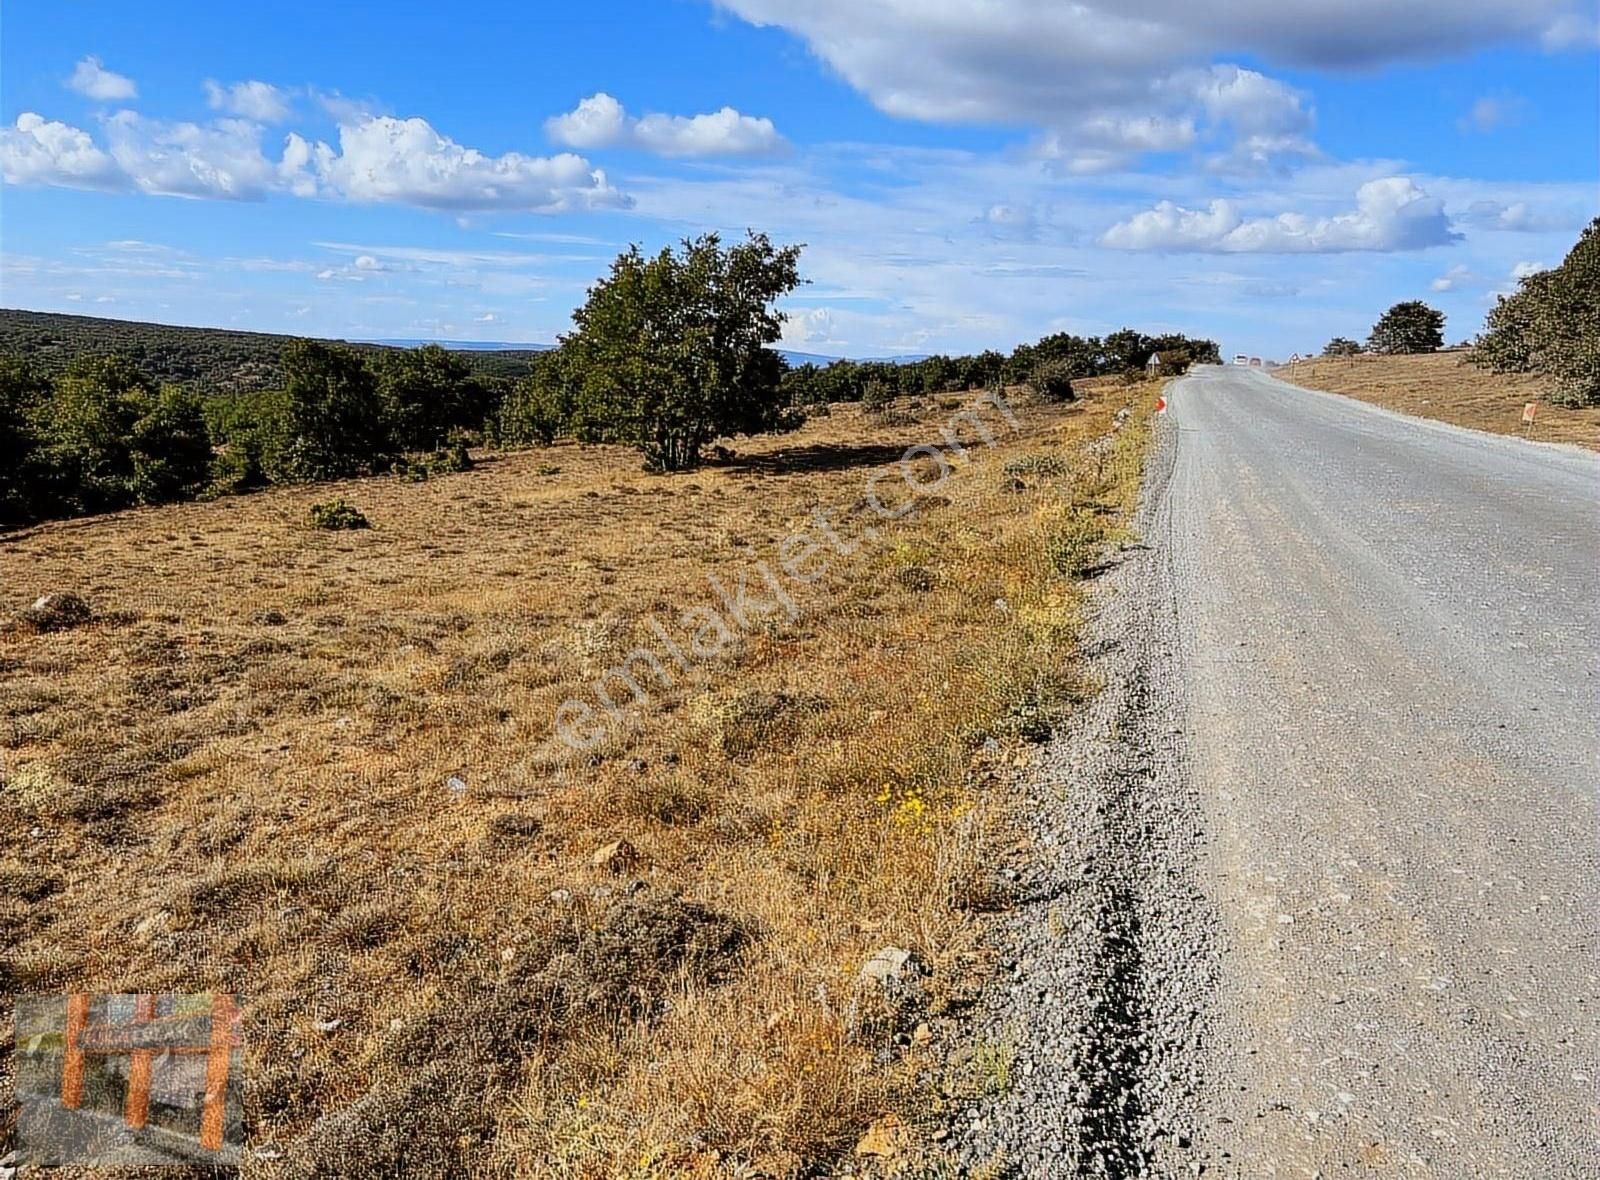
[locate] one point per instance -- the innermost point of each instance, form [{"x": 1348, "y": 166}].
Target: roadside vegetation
[
  {"x": 1540, "y": 344},
  {"x": 334, "y": 785}
]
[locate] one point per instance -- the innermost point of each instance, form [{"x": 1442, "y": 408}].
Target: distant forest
[{"x": 207, "y": 360}]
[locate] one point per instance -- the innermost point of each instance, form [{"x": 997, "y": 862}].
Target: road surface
[{"x": 1389, "y": 646}]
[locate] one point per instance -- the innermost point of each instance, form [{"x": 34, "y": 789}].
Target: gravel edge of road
[{"x": 1107, "y": 966}]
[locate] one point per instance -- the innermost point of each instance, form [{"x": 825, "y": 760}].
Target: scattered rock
[
  {"x": 457, "y": 786},
  {"x": 617, "y": 857},
  {"x": 55, "y": 612},
  {"x": 886, "y": 1137}
]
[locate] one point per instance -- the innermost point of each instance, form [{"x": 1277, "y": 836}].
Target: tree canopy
[
  {"x": 1408, "y": 327},
  {"x": 670, "y": 351},
  {"x": 1551, "y": 325}
]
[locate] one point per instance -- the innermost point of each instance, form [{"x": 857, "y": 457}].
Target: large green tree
[
  {"x": 171, "y": 448},
  {"x": 427, "y": 393},
  {"x": 670, "y": 351},
  {"x": 22, "y": 392},
  {"x": 333, "y": 420},
  {"x": 1408, "y": 327},
  {"x": 1551, "y": 325},
  {"x": 87, "y": 427}
]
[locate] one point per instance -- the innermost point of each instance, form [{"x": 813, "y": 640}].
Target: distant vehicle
[
  {"x": 1255, "y": 362},
  {"x": 1241, "y": 359}
]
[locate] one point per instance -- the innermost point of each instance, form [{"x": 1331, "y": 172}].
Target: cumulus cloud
[
  {"x": 1390, "y": 214},
  {"x": 405, "y": 161},
  {"x": 260, "y": 101},
  {"x": 378, "y": 159},
  {"x": 91, "y": 79},
  {"x": 1061, "y": 67},
  {"x": 1524, "y": 270},
  {"x": 600, "y": 121},
  {"x": 220, "y": 160},
  {"x": 39, "y": 151},
  {"x": 1454, "y": 279}
]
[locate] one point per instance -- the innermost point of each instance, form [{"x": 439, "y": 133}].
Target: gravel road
[
  {"x": 1390, "y": 637},
  {"x": 1315, "y": 888}
]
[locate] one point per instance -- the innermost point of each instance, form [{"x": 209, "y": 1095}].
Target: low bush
[
  {"x": 337, "y": 516},
  {"x": 1052, "y": 381}
]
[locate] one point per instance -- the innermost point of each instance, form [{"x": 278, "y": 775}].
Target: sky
[{"x": 963, "y": 175}]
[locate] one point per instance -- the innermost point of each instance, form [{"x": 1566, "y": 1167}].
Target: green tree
[
  {"x": 1341, "y": 346},
  {"x": 1551, "y": 325},
  {"x": 1408, "y": 327},
  {"x": 22, "y": 392},
  {"x": 333, "y": 415},
  {"x": 670, "y": 351},
  {"x": 427, "y": 393},
  {"x": 539, "y": 407},
  {"x": 171, "y": 448},
  {"x": 87, "y": 429}
]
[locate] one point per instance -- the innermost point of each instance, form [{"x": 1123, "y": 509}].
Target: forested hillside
[{"x": 209, "y": 360}]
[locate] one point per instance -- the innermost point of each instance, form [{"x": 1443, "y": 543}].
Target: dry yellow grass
[
  {"x": 236, "y": 778},
  {"x": 1446, "y": 386}
]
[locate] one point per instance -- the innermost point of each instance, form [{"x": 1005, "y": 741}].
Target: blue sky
[{"x": 965, "y": 175}]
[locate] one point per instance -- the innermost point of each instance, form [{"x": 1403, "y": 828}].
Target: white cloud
[
  {"x": 221, "y": 160},
  {"x": 38, "y": 151},
  {"x": 1515, "y": 217},
  {"x": 1063, "y": 67},
  {"x": 1523, "y": 270},
  {"x": 405, "y": 161},
  {"x": 379, "y": 159},
  {"x": 1390, "y": 214},
  {"x": 600, "y": 121},
  {"x": 260, "y": 101},
  {"x": 92, "y": 79},
  {"x": 1454, "y": 279}
]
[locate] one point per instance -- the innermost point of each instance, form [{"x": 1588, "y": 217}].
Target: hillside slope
[
  {"x": 213, "y": 360},
  {"x": 1446, "y": 386}
]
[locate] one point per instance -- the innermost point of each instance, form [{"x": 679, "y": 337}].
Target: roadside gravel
[{"x": 1108, "y": 962}]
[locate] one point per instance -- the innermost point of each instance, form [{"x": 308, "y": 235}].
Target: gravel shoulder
[{"x": 1108, "y": 962}]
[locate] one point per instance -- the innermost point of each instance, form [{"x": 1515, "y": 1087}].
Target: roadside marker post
[{"x": 1528, "y": 412}]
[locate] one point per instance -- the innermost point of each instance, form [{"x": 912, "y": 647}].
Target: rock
[
  {"x": 456, "y": 785},
  {"x": 886, "y": 1137},
  {"x": 327, "y": 1026},
  {"x": 891, "y": 965},
  {"x": 616, "y": 857},
  {"x": 922, "y": 1034},
  {"x": 56, "y": 612}
]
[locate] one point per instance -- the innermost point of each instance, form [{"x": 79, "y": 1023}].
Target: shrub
[
  {"x": 877, "y": 396},
  {"x": 1341, "y": 346},
  {"x": 1036, "y": 464},
  {"x": 1052, "y": 381},
  {"x": 337, "y": 516},
  {"x": 1073, "y": 546}
]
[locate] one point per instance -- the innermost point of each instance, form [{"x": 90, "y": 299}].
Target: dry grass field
[
  {"x": 318, "y": 769},
  {"x": 1446, "y": 386}
]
